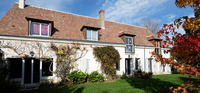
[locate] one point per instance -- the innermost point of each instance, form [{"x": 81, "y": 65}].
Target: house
[{"x": 25, "y": 27}]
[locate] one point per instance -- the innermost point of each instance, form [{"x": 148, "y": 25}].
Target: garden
[{"x": 156, "y": 84}]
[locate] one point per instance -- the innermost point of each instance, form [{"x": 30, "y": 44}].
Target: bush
[
  {"x": 78, "y": 77},
  {"x": 141, "y": 74},
  {"x": 174, "y": 71},
  {"x": 123, "y": 76},
  {"x": 95, "y": 77}
]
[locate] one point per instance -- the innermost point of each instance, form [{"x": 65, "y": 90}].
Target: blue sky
[{"x": 123, "y": 11}]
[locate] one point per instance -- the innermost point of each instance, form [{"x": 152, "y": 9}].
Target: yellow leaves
[
  {"x": 185, "y": 91},
  {"x": 187, "y": 2},
  {"x": 170, "y": 88},
  {"x": 188, "y": 20},
  {"x": 63, "y": 60},
  {"x": 191, "y": 3},
  {"x": 60, "y": 51},
  {"x": 198, "y": 89}
]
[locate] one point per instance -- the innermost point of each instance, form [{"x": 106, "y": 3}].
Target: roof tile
[{"x": 68, "y": 26}]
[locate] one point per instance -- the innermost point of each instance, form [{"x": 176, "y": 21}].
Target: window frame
[
  {"x": 129, "y": 44},
  {"x": 150, "y": 64},
  {"x": 118, "y": 66},
  {"x": 163, "y": 68},
  {"x": 158, "y": 49},
  {"x": 91, "y": 32},
  {"x": 40, "y": 33},
  {"x": 137, "y": 63},
  {"x": 43, "y": 69},
  {"x": 15, "y": 72}
]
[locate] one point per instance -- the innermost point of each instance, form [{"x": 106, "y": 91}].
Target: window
[
  {"x": 150, "y": 64},
  {"x": 136, "y": 63},
  {"x": 91, "y": 35},
  {"x": 39, "y": 29},
  {"x": 163, "y": 68},
  {"x": 129, "y": 44},
  {"x": 1, "y": 55},
  {"x": 45, "y": 67},
  {"x": 118, "y": 65},
  {"x": 157, "y": 49},
  {"x": 15, "y": 67}
]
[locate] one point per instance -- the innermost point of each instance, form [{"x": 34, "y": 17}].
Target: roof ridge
[
  {"x": 58, "y": 11},
  {"x": 80, "y": 15},
  {"x": 125, "y": 24}
]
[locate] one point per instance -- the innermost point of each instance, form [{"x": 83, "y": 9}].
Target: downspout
[{"x": 144, "y": 59}]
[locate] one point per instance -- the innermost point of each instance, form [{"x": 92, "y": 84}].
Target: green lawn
[{"x": 157, "y": 84}]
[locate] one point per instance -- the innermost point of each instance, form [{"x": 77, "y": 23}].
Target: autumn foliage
[{"x": 184, "y": 48}]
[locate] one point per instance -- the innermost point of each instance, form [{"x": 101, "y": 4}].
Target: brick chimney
[
  {"x": 102, "y": 19},
  {"x": 21, "y": 4}
]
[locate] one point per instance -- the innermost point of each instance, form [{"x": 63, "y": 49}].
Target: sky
[{"x": 122, "y": 11}]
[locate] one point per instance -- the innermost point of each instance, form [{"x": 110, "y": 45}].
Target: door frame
[
  {"x": 128, "y": 66},
  {"x": 32, "y": 70}
]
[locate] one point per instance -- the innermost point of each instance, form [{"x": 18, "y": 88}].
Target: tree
[
  {"x": 137, "y": 24},
  {"x": 184, "y": 48},
  {"x": 152, "y": 25}
]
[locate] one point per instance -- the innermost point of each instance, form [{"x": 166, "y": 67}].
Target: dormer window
[
  {"x": 90, "y": 32},
  {"x": 156, "y": 42},
  {"x": 39, "y": 29},
  {"x": 39, "y": 26},
  {"x": 128, "y": 38},
  {"x": 129, "y": 43},
  {"x": 91, "y": 35}
]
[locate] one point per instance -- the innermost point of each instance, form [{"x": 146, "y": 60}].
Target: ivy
[{"x": 108, "y": 56}]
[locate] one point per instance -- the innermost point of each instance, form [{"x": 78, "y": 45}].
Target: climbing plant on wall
[
  {"x": 108, "y": 56},
  {"x": 67, "y": 56}
]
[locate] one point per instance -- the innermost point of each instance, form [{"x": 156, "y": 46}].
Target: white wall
[
  {"x": 89, "y": 63},
  {"x": 144, "y": 53}
]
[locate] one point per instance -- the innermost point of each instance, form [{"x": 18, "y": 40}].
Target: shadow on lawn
[
  {"x": 151, "y": 85},
  {"x": 61, "y": 89},
  {"x": 185, "y": 79}
]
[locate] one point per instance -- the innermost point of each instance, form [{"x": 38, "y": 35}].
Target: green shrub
[
  {"x": 108, "y": 56},
  {"x": 141, "y": 74},
  {"x": 78, "y": 77},
  {"x": 123, "y": 76},
  {"x": 174, "y": 71},
  {"x": 95, "y": 77}
]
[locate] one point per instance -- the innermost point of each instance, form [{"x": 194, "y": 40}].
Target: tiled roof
[
  {"x": 153, "y": 38},
  {"x": 68, "y": 26},
  {"x": 126, "y": 32}
]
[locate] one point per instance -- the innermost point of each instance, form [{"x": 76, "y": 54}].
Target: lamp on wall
[{"x": 32, "y": 53}]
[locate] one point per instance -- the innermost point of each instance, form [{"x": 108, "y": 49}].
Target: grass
[{"x": 157, "y": 84}]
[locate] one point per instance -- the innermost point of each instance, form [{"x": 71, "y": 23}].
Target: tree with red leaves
[{"x": 184, "y": 48}]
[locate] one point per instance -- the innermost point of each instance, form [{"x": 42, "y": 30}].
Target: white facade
[{"x": 87, "y": 63}]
